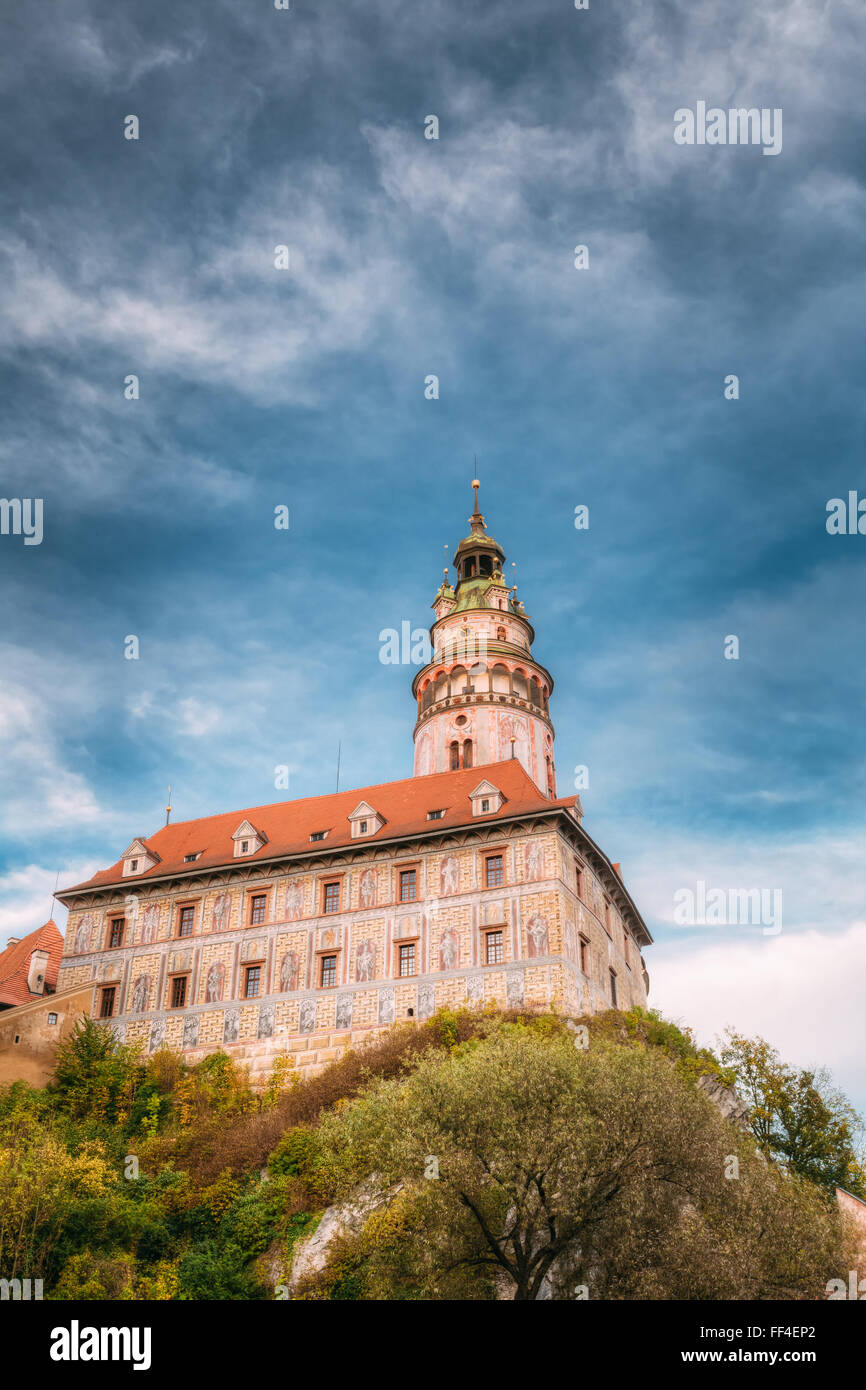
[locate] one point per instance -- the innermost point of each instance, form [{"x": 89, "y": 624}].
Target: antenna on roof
[
  {"x": 53, "y": 896},
  {"x": 168, "y": 808},
  {"x": 339, "y": 750}
]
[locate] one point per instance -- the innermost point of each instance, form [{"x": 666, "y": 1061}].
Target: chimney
[
  {"x": 36, "y": 974},
  {"x": 13, "y": 940}
]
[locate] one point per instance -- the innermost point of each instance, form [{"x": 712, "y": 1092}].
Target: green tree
[
  {"x": 95, "y": 1075},
  {"x": 797, "y": 1116},
  {"x": 543, "y": 1168}
]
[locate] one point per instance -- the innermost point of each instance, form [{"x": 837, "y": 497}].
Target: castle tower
[{"x": 483, "y": 698}]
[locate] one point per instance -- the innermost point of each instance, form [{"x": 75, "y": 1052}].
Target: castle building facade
[{"x": 299, "y": 926}]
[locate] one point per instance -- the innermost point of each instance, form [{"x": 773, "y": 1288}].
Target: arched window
[
  {"x": 455, "y": 756},
  {"x": 500, "y": 634},
  {"x": 427, "y": 698},
  {"x": 535, "y": 692},
  {"x": 467, "y": 752},
  {"x": 551, "y": 788},
  {"x": 459, "y": 680},
  {"x": 518, "y": 682},
  {"x": 501, "y": 680},
  {"x": 481, "y": 681}
]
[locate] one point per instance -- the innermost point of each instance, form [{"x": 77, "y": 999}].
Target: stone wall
[{"x": 31, "y": 1057}]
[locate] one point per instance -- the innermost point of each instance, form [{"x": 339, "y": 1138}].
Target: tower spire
[{"x": 476, "y": 520}]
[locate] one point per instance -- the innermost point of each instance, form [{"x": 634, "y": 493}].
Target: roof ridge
[{"x": 327, "y": 796}]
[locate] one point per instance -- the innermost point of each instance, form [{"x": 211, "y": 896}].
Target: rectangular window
[
  {"x": 362, "y": 828},
  {"x": 178, "y": 991},
  {"x": 435, "y": 815},
  {"x": 613, "y": 988},
  {"x": 329, "y": 972},
  {"x": 133, "y": 865},
  {"x": 257, "y": 909},
  {"x": 115, "y": 935},
  {"x": 318, "y": 834},
  {"x": 191, "y": 858},
  {"x": 606, "y": 916},
  {"x": 579, "y": 881},
  {"x": 252, "y": 981},
  {"x": 186, "y": 921},
  {"x": 493, "y": 872},
  {"x": 584, "y": 955},
  {"x": 408, "y": 885},
  {"x": 52, "y": 1019},
  {"x": 407, "y": 959},
  {"x": 332, "y": 897},
  {"x": 245, "y": 846},
  {"x": 493, "y": 948},
  {"x": 625, "y": 954},
  {"x": 106, "y": 1003}
]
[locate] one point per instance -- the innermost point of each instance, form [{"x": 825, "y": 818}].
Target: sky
[{"x": 305, "y": 388}]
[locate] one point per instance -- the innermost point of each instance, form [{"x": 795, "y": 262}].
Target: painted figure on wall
[
  {"x": 533, "y": 859},
  {"x": 215, "y": 983},
  {"x": 536, "y": 936},
  {"x": 307, "y": 1016},
  {"x": 365, "y": 962},
  {"x": 149, "y": 924},
  {"x": 449, "y": 951},
  {"x": 83, "y": 933},
  {"x": 141, "y": 995},
  {"x": 222, "y": 911},
  {"x": 368, "y": 888},
  {"x": 294, "y": 899},
  {"x": 450, "y": 874},
  {"x": 289, "y": 971}
]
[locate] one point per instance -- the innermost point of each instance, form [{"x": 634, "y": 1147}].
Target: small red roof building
[{"x": 28, "y": 967}]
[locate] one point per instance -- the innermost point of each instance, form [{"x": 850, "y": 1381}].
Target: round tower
[{"x": 483, "y": 698}]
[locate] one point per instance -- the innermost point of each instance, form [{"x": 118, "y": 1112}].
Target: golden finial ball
[{"x": 475, "y": 482}]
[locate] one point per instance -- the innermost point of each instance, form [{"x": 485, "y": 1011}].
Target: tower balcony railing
[{"x": 483, "y": 697}]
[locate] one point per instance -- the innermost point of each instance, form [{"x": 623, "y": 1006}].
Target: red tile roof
[
  {"x": 15, "y": 964},
  {"x": 287, "y": 825}
]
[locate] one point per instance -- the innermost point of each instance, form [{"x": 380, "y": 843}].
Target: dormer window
[
  {"x": 138, "y": 859},
  {"x": 319, "y": 835},
  {"x": 191, "y": 858},
  {"x": 364, "y": 820},
  {"x": 248, "y": 840},
  {"x": 486, "y": 799},
  {"x": 435, "y": 815}
]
